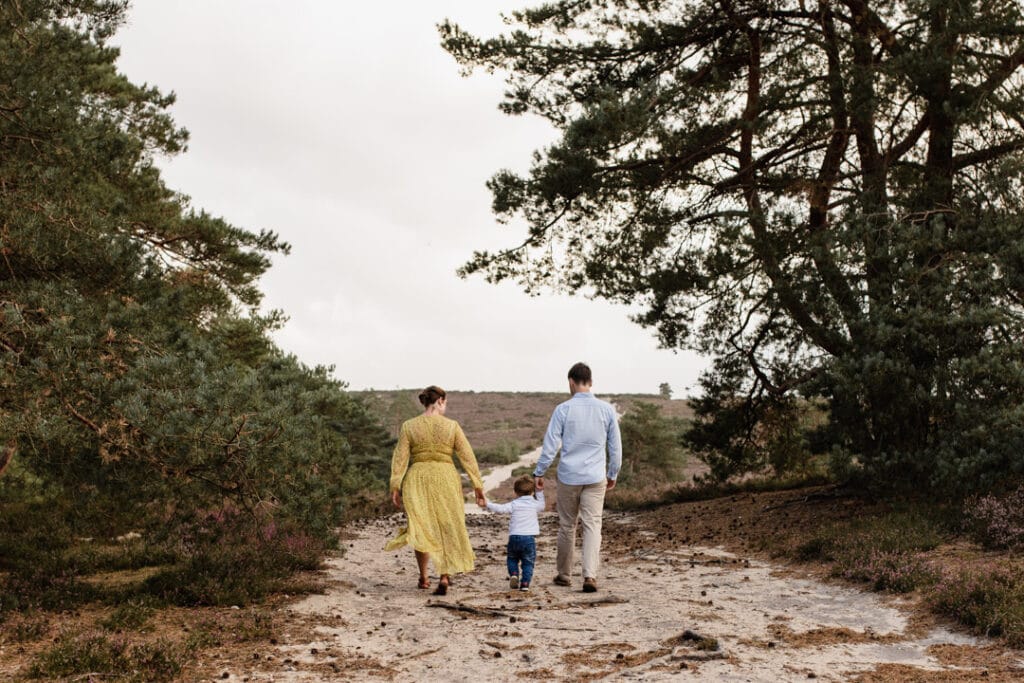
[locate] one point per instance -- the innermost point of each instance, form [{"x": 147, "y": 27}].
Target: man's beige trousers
[{"x": 586, "y": 505}]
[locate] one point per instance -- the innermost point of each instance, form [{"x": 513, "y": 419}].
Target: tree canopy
[
  {"x": 138, "y": 377},
  {"x": 823, "y": 196}
]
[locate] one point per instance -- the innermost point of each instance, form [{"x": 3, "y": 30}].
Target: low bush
[
  {"x": 894, "y": 571},
  {"x": 990, "y": 602},
  {"x": 108, "y": 657},
  {"x": 58, "y": 589},
  {"x": 996, "y": 522},
  {"x": 501, "y": 453},
  {"x": 883, "y": 551},
  {"x": 653, "y": 444},
  {"x": 229, "y": 557},
  {"x": 242, "y": 626},
  {"x": 130, "y": 616},
  {"x": 22, "y": 627},
  {"x": 895, "y": 532},
  {"x": 658, "y": 494}
]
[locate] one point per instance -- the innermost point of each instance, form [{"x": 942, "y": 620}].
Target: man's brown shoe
[
  {"x": 589, "y": 585},
  {"x": 562, "y": 580}
]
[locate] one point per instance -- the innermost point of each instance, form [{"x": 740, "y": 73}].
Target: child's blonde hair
[{"x": 524, "y": 486}]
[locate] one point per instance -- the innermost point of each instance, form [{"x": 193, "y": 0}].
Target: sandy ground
[
  {"x": 692, "y": 613},
  {"x": 768, "y": 626}
]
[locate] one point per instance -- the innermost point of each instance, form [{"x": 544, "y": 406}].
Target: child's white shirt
[{"x": 523, "y": 509}]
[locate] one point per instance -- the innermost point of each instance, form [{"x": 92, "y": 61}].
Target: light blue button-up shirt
[{"x": 585, "y": 427}]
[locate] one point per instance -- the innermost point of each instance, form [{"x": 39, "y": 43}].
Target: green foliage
[
  {"x": 657, "y": 495},
  {"x": 224, "y": 559},
  {"x": 21, "y": 627},
  {"x": 652, "y": 443},
  {"x": 883, "y": 551},
  {"x": 130, "y": 616},
  {"x": 139, "y": 387},
  {"x": 110, "y": 657},
  {"x": 826, "y": 199},
  {"x": 757, "y": 433},
  {"x": 996, "y": 521},
  {"x": 505, "y": 451},
  {"x": 990, "y": 602}
]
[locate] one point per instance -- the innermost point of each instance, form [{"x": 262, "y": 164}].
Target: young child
[{"x": 523, "y": 527}]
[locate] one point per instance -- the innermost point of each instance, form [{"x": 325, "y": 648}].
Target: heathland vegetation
[
  {"x": 159, "y": 449},
  {"x": 826, "y": 200}
]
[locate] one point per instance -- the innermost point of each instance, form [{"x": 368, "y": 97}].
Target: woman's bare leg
[{"x": 423, "y": 559}]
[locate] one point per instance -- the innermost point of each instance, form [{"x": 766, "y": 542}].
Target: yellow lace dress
[{"x": 423, "y": 470}]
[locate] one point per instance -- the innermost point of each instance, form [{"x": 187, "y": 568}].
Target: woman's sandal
[
  {"x": 423, "y": 583},
  {"x": 442, "y": 587}
]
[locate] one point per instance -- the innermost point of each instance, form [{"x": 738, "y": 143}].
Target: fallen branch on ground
[
  {"x": 459, "y": 607},
  {"x": 607, "y": 600},
  {"x": 566, "y": 628},
  {"x": 831, "y": 493}
]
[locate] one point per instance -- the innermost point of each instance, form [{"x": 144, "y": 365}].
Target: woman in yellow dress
[{"x": 424, "y": 480}]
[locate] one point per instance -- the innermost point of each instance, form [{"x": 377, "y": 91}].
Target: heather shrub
[
  {"x": 232, "y": 557},
  {"x": 130, "y": 616},
  {"x": 653, "y": 443},
  {"x": 107, "y": 657},
  {"x": 895, "y": 571},
  {"x": 883, "y": 551},
  {"x": 991, "y": 603},
  {"x": 22, "y": 627},
  {"x": 505, "y": 451},
  {"x": 996, "y": 522}
]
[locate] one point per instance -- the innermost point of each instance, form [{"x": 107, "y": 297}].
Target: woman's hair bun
[{"x": 431, "y": 395}]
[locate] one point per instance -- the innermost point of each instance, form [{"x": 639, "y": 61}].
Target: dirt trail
[
  {"x": 373, "y": 623},
  {"x": 758, "y": 623},
  {"x": 500, "y": 474}
]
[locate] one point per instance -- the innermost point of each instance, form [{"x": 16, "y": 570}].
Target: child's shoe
[
  {"x": 524, "y": 586},
  {"x": 513, "y": 582}
]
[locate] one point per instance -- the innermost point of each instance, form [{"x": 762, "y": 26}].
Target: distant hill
[{"x": 500, "y": 423}]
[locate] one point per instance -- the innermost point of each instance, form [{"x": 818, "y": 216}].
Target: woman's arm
[
  {"x": 464, "y": 452},
  {"x": 399, "y": 462}
]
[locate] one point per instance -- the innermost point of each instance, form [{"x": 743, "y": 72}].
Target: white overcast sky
[{"x": 344, "y": 127}]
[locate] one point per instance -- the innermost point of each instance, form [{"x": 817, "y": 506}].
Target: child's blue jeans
[{"x": 522, "y": 550}]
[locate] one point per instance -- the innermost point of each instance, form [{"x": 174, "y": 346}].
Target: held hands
[
  {"x": 480, "y": 499},
  {"x": 539, "y": 483}
]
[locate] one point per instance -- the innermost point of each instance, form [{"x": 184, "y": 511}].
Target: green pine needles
[
  {"x": 824, "y": 196},
  {"x": 139, "y": 388}
]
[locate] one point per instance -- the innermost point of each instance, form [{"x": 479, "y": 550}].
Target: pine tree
[
  {"x": 137, "y": 377},
  {"x": 823, "y": 196}
]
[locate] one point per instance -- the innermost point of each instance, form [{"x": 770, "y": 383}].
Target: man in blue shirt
[{"x": 587, "y": 430}]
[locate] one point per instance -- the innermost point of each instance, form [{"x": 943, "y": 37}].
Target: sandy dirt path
[
  {"x": 689, "y": 614},
  {"x": 373, "y": 623},
  {"x": 499, "y": 475}
]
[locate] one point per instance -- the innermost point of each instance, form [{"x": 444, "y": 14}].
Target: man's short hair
[{"x": 580, "y": 373}]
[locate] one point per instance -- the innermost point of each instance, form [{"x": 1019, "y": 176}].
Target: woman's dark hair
[
  {"x": 431, "y": 395},
  {"x": 580, "y": 373}
]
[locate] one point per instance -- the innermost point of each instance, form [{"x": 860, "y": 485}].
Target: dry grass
[{"x": 491, "y": 418}]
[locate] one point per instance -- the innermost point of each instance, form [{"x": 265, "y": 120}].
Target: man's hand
[
  {"x": 396, "y": 498},
  {"x": 538, "y": 482},
  {"x": 611, "y": 485}
]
